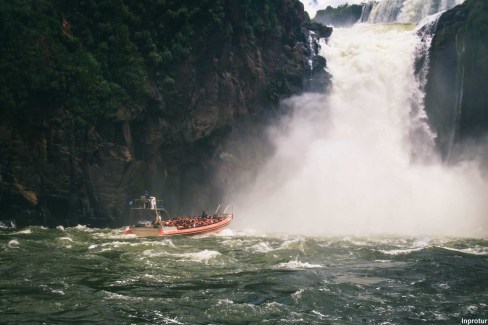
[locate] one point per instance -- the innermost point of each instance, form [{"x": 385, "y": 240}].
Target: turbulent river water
[
  {"x": 349, "y": 168},
  {"x": 82, "y": 275}
]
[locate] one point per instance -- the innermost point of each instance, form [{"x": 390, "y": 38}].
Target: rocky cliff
[
  {"x": 341, "y": 16},
  {"x": 456, "y": 97},
  {"x": 101, "y": 100}
]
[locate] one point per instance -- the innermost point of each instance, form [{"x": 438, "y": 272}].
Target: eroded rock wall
[{"x": 106, "y": 104}]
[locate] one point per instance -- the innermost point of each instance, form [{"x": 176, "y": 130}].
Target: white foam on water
[
  {"x": 166, "y": 320},
  {"x": 472, "y": 309},
  {"x": 116, "y": 244},
  {"x": 14, "y": 243},
  {"x": 221, "y": 302},
  {"x": 114, "y": 234},
  {"x": 261, "y": 247},
  {"x": 401, "y": 251},
  {"x": 297, "y": 295},
  {"x": 83, "y": 228},
  {"x": 321, "y": 316},
  {"x": 154, "y": 253},
  {"x": 470, "y": 251},
  {"x": 117, "y": 296},
  {"x": 297, "y": 244},
  {"x": 166, "y": 242},
  {"x": 203, "y": 256},
  {"x": 23, "y": 232},
  {"x": 57, "y": 291},
  {"x": 296, "y": 264},
  {"x": 61, "y": 228},
  {"x": 274, "y": 306}
]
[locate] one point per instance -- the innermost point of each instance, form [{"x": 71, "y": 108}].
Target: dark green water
[{"x": 83, "y": 275}]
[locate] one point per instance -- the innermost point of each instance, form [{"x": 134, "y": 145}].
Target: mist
[{"x": 343, "y": 162}]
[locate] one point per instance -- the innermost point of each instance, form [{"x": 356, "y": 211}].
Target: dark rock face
[
  {"x": 342, "y": 16},
  {"x": 183, "y": 129},
  {"x": 317, "y": 79},
  {"x": 456, "y": 100}
]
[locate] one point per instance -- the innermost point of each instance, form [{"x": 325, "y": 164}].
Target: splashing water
[
  {"x": 104, "y": 277},
  {"x": 343, "y": 162},
  {"x": 406, "y": 11}
]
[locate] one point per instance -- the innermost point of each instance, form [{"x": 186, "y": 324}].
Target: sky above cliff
[{"x": 311, "y": 6}]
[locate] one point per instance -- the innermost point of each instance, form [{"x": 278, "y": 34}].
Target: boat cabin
[{"x": 146, "y": 211}]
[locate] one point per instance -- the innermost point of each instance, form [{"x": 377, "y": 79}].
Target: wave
[
  {"x": 13, "y": 243},
  {"x": 265, "y": 247},
  {"x": 23, "y": 232},
  {"x": 261, "y": 247},
  {"x": 83, "y": 228},
  {"x": 202, "y": 256},
  {"x": 65, "y": 238},
  {"x": 470, "y": 250},
  {"x": 296, "y": 264},
  {"x": 401, "y": 251},
  {"x": 416, "y": 246}
]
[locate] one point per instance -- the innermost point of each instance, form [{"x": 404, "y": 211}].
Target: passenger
[{"x": 157, "y": 220}]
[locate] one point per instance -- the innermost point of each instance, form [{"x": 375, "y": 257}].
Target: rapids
[
  {"x": 85, "y": 276},
  {"x": 354, "y": 220}
]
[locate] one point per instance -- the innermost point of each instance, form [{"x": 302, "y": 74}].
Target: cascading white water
[
  {"x": 385, "y": 11},
  {"x": 343, "y": 162},
  {"x": 407, "y": 11}
]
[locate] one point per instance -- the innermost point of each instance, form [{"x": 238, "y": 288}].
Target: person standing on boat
[{"x": 157, "y": 219}]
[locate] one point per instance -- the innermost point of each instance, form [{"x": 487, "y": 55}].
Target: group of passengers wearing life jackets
[{"x": 192, "y": 222}]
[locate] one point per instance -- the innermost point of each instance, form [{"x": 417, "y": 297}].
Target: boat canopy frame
[{"x": 147, "y": 204}]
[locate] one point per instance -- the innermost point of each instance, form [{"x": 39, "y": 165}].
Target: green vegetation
[
  {"x": 343, "y": 15},
  {"x": 93, "y": 57}
]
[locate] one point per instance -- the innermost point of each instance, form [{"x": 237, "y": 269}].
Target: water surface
[{"x": 83, "y": 275}]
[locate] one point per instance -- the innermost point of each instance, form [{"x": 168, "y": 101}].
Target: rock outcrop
[
  {"x": 102, "y": 100},
  {"x": 341, "y": 16},
  {"x": 456, "y": 100}
]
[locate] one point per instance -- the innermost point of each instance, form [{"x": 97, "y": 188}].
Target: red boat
[{"x": 147, "y": 207}]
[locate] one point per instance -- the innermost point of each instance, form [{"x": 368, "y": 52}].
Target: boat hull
[{"x": 173, "y": 231}]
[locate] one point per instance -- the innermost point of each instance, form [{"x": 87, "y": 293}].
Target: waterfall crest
[{"x": 404, "y": 11}]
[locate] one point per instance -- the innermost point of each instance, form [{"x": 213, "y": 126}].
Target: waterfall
[
  {"x": 311, "y": 39},
  {"x": 421, "y": 136},
  {"x": 367, "y": 8},
  {"x": 343, "y": 162},
  {"x": 405, "y": 11},
  {"x": 385, "y": 11}
]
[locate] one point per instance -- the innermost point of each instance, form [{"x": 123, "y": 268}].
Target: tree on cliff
[{"x": 101, "y": 98}]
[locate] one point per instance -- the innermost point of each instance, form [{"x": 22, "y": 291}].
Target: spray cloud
[{"x": 343, "y": 161}]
